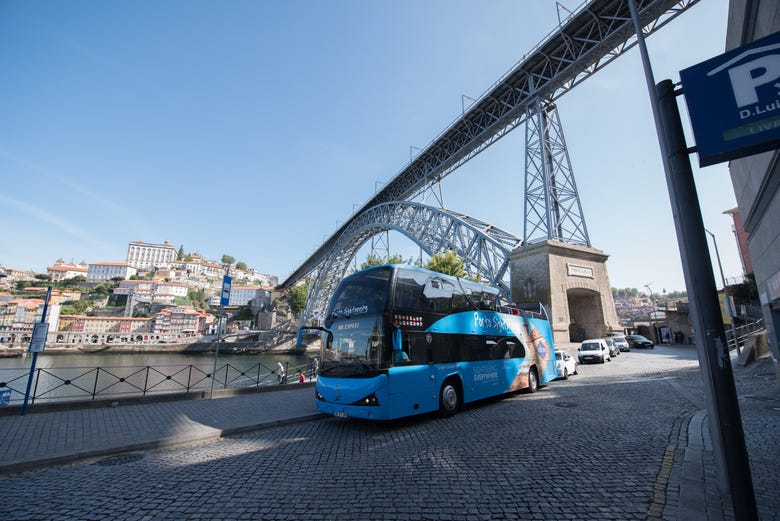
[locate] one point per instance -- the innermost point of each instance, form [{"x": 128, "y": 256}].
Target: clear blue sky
[{"x": 253, "y": 128}]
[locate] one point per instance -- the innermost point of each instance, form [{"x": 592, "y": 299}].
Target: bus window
[
  {"x": 437, "y": 295},
  {"x": 475, "y": 348},
  {"x": 445, "y": 349},
  {"x": 418, "y": 348},
  {"x": 509, "y": 348},
  {"x": 409, "y": 287}
]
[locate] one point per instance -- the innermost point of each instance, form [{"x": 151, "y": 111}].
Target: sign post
[
  {"x": 37, "y": 345},
  {"x": 719, "y": 390},
  {"x": 224, "y": 300}
]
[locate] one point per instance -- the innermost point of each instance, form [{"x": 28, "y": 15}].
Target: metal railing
[
  {"x": 742, "y": 334},
  {"x": 61, "y": 384}
]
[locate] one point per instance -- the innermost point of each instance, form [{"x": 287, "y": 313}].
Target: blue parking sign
[{"x": 226, "y": 284}]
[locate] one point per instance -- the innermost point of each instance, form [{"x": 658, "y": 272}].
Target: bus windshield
[{"x": 355, "y": 342}]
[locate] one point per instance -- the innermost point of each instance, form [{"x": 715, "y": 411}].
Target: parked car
[
  {"x": 613, "y": 348},
  {"x": 622, "y": 343},
  {"x": 594, "y": 350},
  {"x": 565, "y": 363},
  {"x": 639, "y": 341}
]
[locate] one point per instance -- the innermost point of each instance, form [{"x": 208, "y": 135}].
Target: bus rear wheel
[
  {"x": 533, "y": 381},
  {"x": 449, "y": 399}
]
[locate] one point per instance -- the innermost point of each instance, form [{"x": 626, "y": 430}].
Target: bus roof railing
[{"x": 527, "y": 308}]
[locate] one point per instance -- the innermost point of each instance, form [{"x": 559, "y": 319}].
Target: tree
[
  {"x": 43, "y": 276},
  {"x": 375, "y": 260},
  {"x": 747, "y": 292},
  {"x": 74, "y": 281},
  {"x": 298, "y": 296},
  {"x": 180, "y": 255},
  {"x": 197, "y": 297},
  {"x": 241, "y": 266},
  {"x": 227, "y": 259},
  {"x": 448, "y": 263}
]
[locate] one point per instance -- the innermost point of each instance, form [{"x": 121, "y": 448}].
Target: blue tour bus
[{"x": 400, "y": 340}]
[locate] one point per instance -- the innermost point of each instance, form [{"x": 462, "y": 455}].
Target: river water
[{"x": 88, "y": 376}]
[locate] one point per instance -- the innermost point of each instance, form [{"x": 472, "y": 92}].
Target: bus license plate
[{"x": 340, "y": 414}]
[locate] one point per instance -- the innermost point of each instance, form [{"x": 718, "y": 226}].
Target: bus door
[{"x": 413, "y": 388}]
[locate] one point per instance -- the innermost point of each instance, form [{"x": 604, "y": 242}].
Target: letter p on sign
[{"x": 747, "y": 77}]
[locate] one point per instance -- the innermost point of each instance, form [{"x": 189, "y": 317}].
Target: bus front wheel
[{"x": 449, "y": 398}]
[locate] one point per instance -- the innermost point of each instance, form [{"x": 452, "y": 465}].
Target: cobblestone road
[{"x": 601, "y": 445}]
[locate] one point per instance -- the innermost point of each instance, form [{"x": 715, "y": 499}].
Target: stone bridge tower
[{"x": 556, "y": 263}]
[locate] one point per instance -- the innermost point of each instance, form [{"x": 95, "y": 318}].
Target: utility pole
[{"x": 726, "y": 301}]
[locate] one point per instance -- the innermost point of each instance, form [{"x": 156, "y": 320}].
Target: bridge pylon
[
  {"x": 556, "y": 263},
  {"x": 552, "y": 204}
]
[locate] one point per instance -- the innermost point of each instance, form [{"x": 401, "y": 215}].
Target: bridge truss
[{"x": 594, "y": 35}]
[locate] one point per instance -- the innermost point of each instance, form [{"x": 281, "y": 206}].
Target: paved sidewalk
[{"x": 46, "y": 438}]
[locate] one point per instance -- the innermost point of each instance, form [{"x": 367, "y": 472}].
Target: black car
[{"x": 639, "y": 341}]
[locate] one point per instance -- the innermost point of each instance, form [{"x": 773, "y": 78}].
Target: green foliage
[
  {"x": 104, "y": 289},
  {"x": 180, "y": 253},
  {"x": 298, "y": 296},
  {"x": 448, "y": 263},
  {"x": 187, "y": 257},
  {"x": 197, "y": 298},
  {"x": 241, "y": 266},
  {"x": 243, "y": 314},
  {"x": 375, "y": 260},
  {"x": 78, "y": 280},
  {"x": 43, "y": 276},
  {"x": 747, "y": 292},
  {"x": 77, "y": 306},
  {"x": 227, "y": 259},
  {"x": 622, "y": 293}
]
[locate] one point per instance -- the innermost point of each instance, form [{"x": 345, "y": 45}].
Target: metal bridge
[{"x": 590, "y": 38}]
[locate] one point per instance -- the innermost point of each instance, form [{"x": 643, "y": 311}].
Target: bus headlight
[
  {"x": 371, "y": 399},
  {"x": 318, "y": 396}
]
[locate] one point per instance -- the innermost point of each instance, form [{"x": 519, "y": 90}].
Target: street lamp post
[{"x": 726, "y": 302}]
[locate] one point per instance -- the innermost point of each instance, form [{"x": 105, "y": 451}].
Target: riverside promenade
[{"x": 687, "y": 474}]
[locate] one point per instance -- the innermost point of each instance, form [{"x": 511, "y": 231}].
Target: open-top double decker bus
[{"x": 400, "y": 340}]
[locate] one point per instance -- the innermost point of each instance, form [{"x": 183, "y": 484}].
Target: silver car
[
  {"x": 613, "y": 348},
  {"x": 621, "y": 343}
]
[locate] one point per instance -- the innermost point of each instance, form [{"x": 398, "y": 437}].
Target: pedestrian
[
  {"x": 301, "y": 378},
  {"x": 280, "y": 372},
  {"x": 315, "y": 367}
]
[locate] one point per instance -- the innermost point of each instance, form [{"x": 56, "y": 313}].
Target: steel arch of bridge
[{"x": 484, "y": 247}]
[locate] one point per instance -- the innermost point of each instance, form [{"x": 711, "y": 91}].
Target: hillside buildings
[{"x": 153, "y": 274}]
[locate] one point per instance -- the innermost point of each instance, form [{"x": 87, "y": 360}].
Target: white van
[{"x": 594, "y": 350}]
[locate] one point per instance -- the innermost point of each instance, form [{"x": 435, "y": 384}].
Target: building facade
[
  {"x": 145, "y": 256},
  {"x": 105, "y": 271},
  {"x": 62, "y": 271},
  {"x": 756, "y": 179},
  {"x": 180, "y": 321}
]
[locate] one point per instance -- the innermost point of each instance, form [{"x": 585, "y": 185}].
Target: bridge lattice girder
[
  {"x": 484, "y": 247},
  {"x": 593, "y": 36}
]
